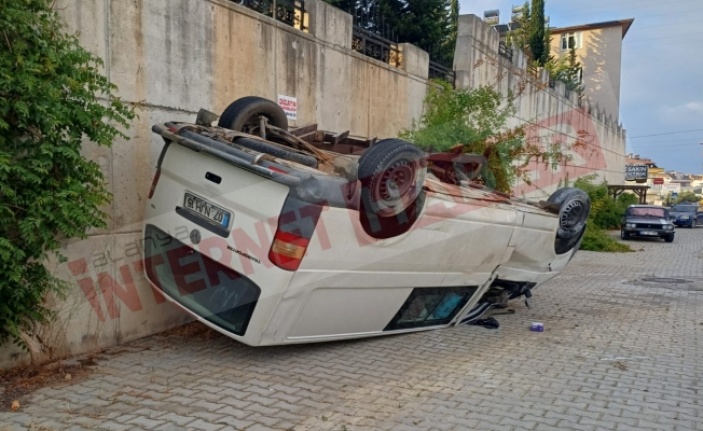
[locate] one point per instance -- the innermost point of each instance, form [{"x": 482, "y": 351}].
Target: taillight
[
  {"x": 154, "y": 182},
  {"x": 288, "y": 250},
  {"x": 296, "y": 226}
]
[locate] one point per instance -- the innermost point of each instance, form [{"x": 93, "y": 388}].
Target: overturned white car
[{"x": 273, "y": 236}]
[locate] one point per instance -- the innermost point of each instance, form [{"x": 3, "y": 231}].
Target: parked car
[
  {"x": 686, "y": 214},
  {"x": 648, "y": 221},
  {"x": 273, "y": 236}
]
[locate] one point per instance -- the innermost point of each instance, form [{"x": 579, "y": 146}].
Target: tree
[
  {"x": 531, "y": 34},
  {"x": 567, "y": 69},
  {"x": 53, "y": 97},
  {"x": 427, "y": 24},
  {"x": 538, "y": 34},
  {"x": 685, "y": 197}
]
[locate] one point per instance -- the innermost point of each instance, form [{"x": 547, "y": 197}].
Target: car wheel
[
  {"x": 624, "y": 235},
  {"x": 669, "y": 238},
  {"x": 392, "y": 173},
  {"x": 574, "y": 207},
  {"x": 243, "y": 115}
]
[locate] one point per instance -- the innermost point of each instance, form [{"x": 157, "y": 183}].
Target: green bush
[
  {"x": 597, "y": 239},
  {"x": 606, "y": 213},
  {"x": 53, "y": 97},
  {"x": 474, "y": 121}
]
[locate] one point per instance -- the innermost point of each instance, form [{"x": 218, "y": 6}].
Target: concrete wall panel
[
  {"x": 241, "y": 69},
  {"x": 296, "y": 73},
  {"x": 334, "y": 105}
]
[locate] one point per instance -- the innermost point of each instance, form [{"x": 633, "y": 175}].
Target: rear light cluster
[
  {"x": 288, "y": 250},
  {"x": 296, "y": 226}
]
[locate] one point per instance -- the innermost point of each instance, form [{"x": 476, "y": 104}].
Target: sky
[{"x": 661, "y": 95}]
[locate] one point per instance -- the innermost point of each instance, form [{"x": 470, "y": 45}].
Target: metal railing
[
  {"x": 505, "y": 51},
  {"x": 438, "y": 71},
  {"x": 375, "y": 46},
  {"x": 291, "y": 12}
]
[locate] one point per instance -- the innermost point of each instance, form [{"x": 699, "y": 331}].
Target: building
[{"x": 598, "y": 48}]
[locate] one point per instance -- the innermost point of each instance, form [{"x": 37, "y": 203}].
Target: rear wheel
[
  {"x": 392, "y": 174},
  {"x": 244, "y": 115}
]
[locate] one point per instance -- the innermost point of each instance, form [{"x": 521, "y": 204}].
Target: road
[{"x": 617, "y": 353}]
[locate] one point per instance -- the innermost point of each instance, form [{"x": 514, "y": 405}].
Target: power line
[
  {"x": 663, "y": 146},
  {"x": 576, "y": 138},
  {"x": 665, "y": 134},
  {"x": 665, "y": 37},
  {"x": 668, "y": 140},
  {"x": 667, "y": 25}
]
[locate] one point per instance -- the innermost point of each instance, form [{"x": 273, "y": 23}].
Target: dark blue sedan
[{"x": 686, "y": 214}]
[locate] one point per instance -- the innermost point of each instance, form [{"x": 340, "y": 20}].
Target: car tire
[
  {"x": 244, "y": 114},
  {"x": 574, "y": 207},
  {"x": 392, "y": 174},
  {"x": 669, "y": 238},
  {"x": 624, "y": 235}
]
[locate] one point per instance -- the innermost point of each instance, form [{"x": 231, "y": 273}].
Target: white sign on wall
[
  {"x": 289, "y": 105},
  {"x": 670, "y": 188}
]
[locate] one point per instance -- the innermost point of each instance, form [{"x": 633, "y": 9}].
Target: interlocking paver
[{"x": 617, "y": 354}]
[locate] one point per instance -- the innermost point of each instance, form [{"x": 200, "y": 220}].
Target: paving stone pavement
[{"x": 617, "y": 354}]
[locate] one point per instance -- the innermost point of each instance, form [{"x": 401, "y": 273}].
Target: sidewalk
[{"x": 618, "y": 353}]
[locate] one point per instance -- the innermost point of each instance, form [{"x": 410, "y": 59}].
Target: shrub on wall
[
  {"x": 53, "y": 98},
  {"x": 474, "y": 121}
]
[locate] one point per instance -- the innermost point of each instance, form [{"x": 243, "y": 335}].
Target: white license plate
[
  {"x": 649, "y": 233},
  {"x": 207, "y": 210}
]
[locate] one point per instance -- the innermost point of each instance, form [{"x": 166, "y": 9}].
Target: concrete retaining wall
[
  {"x": 172, "y": 57},
  {"x": 595, "y": 142}
]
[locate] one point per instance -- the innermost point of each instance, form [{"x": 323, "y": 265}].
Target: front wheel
[
  {"x": 669, "y": 238},
  {"x": 574, "y": 207},
  {"x": 624, "y": 235}
]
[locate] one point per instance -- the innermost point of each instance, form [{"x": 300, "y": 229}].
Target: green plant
[
  {"x": 475, "y": 121},
  {"x": 606, "y": 213},
  {"x": 53, "y": 97},
  {"x": 597, "y": 239}
]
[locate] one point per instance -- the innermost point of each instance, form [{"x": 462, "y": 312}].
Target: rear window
[
  {"x": 647, "y": 212},
  {"x": 684, "y": 208},
  {"x": 209, "y": 289}
]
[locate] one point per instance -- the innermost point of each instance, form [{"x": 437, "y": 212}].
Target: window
[
  {"x": 647, "y": 212},
  {"x": 431, "y": 306},
  {"x": 209, "y": 289},
  {"x": 569, "y": 40}
]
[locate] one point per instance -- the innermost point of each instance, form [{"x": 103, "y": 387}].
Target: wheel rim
[
  {"x": 395, "y": 182},
  {"x": 571, "y": 215}
]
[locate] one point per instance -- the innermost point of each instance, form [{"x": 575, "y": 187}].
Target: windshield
[
  {"x": 647, "y": 212},
  {"x": 684, "y": 208}
]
